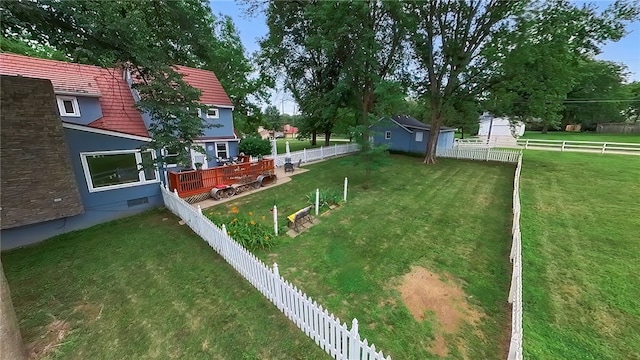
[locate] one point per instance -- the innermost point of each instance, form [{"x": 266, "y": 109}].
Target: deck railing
[{"x": 194, "y": 182}]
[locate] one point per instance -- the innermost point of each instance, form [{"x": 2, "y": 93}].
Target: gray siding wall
[
  {"x": 99, "y": 206},
  {"x": 225, "y": 120},
  {"x": 446, "y": 140},
  {"x": 90, "y": 111},
  {"x": 402, "y": 140},
  {"x": 223, "y": 128}
]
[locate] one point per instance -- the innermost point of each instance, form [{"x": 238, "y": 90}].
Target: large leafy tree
[
  {"x": 236, "y": 72},
  {"x": 455, "y": 48},
  {"x": 598, "y": 95},
  {"x": 331, "y": 63},
  {"x": 272, "y": 119},
  {"x": 520, "y": 55},
  {"x": 308, "y": 65},
  {"x": 147, "y": 37},
  {"x": 550, "y": 59},
  {"x": 632, "y": 110}
]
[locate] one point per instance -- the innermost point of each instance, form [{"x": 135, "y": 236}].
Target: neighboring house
[
  {"x": 70, "y": 146},
  {"x": 264, "y": 133},
  {"x": 500, "y": 128},
  {"x": 405, "y": 133},
  {"x": 290, "y": 132}
]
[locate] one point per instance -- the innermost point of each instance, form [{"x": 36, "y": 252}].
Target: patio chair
[{"x": 288, "y": 165}]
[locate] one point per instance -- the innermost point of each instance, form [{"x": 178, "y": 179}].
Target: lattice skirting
[{"x": 197, "y": 198}]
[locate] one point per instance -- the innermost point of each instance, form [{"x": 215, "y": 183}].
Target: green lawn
[
  {"x": 581, "y": 248},
  {"x": 454, "y": 217},
  {"x": 297, "y": 145},
  {"x": 145, "y": 288},
  {"x": 582, "y": 136}
]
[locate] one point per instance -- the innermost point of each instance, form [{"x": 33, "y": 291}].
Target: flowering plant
[{"x": 248, "y": 230}]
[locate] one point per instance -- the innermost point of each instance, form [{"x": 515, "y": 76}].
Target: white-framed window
[
  {"x": 108, "y": 170},
  {"x": 170, "y": 157},
  {"x": 68, "y": 106},
  {"x": 222, "y": 150},
  {"x": 212, "y": 113},
  {"x": 419, "y": 136},
  {"x": 387, "y": 135}
]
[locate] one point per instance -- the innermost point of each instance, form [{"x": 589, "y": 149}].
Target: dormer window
[
  {"x": 68, "y": 106},
  {"x": 212, "y": 113}
]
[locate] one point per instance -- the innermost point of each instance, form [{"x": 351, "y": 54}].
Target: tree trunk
[
  {"x": 327, "y": 138},
  {"x": 366, "y": 145},
  {"x": 545, "y": 128},
  {"x": 11, "y": 346},
  {"x": 432, "y": 143},
  {"x": 461, "y": 132},
  {"x": 313, "y": 138}
]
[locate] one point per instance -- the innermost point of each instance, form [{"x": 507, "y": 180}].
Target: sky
[{"x": 251, "y": 29}]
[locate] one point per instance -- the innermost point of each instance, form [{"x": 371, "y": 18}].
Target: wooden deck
[{"x": 194, "y": 182}]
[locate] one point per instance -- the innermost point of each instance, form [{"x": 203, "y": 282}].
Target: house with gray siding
[
  {"x": 407, "y": 134},
  {"x": 71, "y": 139}
]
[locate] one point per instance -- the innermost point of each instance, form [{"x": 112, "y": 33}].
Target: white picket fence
[
  {"x": 515, "y": 291},
  {"x": 316, "y": 322},
  {"x": 480, "y": 153},
  {"x": 321, "y": 153}
]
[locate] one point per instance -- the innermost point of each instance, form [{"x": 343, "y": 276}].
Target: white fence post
[
  {"x": 224, "y": 229},
  {"x": 487, "y": 157},
  {"x": 275, "y": 219},
  {"x": 274, "y": 149},
  {"x": 199, "y": 210},
  {"x": 335, "y": 149},
  {"x": 304, "y": 154},
  {"x": 346, "y": 182},
  {"x": 278, "y": 289},
  {"x": 563, "y": 144},
  {"x": 317, "y": 201},
  {"x": 604, "y": 148},
  {"x": 321, "y": 154}
]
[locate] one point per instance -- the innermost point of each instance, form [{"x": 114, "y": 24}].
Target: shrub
[
  {"x": 327, "y": 198},
  {"x": 248, "y": 230},
  {"x": 255, "y": 146}
]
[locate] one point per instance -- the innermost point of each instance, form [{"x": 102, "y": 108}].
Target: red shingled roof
[
  {"x": 65, "y": 77},
  {"x": 116, "y": 101},
  {"x": 118, "y": 111},
  {"x": 207, "y": 82}
]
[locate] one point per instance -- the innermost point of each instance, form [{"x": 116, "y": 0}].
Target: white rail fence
[
  {"x": 321, "y": 153},
  {"x": 316, "y": 322},
  {"x": 581, "y": 146},
  {"x": 480, "y": 153},
  {"x": 515, "y": 291},
  {"x": 555, "y": 145}
]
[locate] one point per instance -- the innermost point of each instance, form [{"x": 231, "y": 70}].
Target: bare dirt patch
[
  {"x": 52, "y": 338},
  {"x": 424, "y": 292},
  {"x": 91, "y": 311}
]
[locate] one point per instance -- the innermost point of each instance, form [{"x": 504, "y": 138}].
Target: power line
[{"x": 598, "y": 101}]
